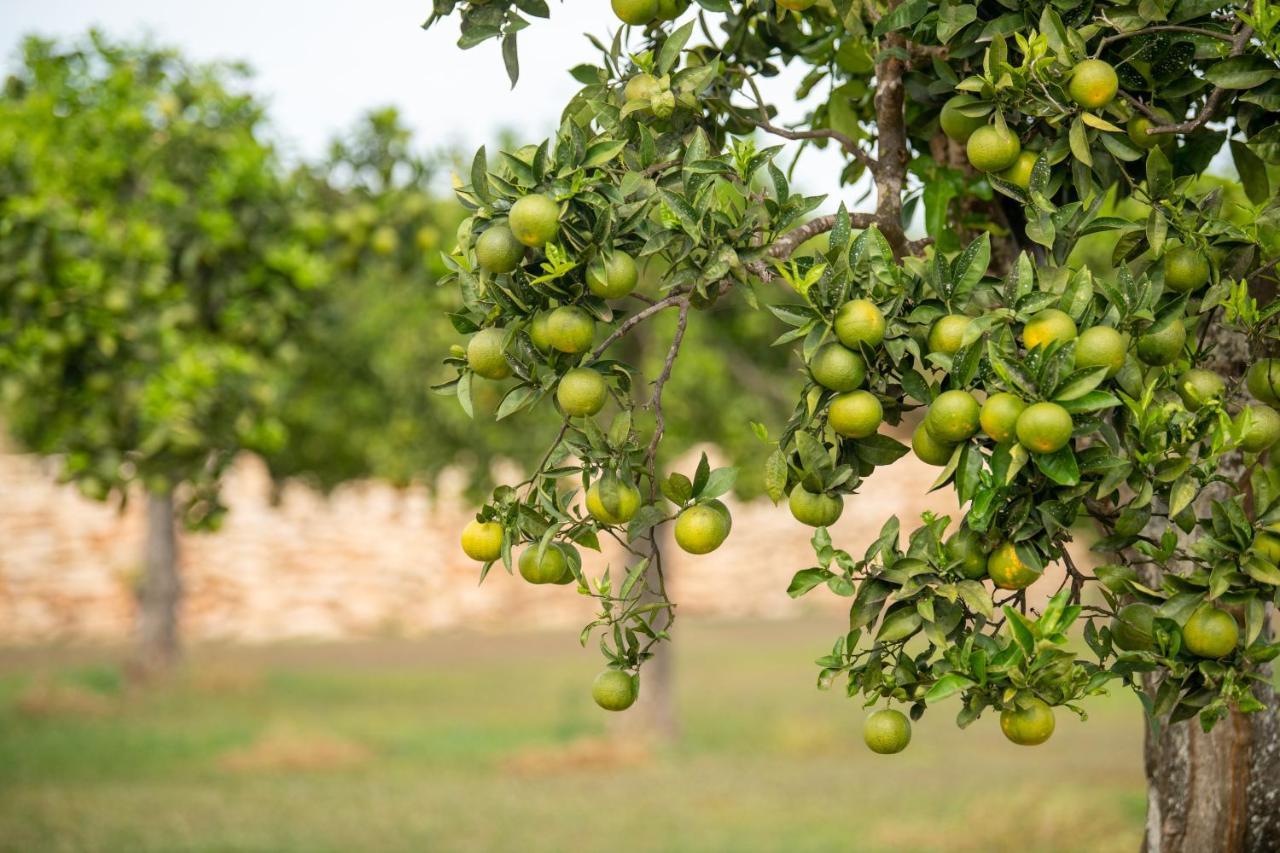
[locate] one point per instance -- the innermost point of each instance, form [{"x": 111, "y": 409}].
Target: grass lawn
[{"x": 467, "y": 742}]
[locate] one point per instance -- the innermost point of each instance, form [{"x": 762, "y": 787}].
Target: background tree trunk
[
  {"x": 1216, "y": 792},
  {"x": 160, "y": 592},
  {"x": 653, "y": 717}
]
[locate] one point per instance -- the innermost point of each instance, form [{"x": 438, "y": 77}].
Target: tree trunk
[
  {"x": 160, "y": 592},
  {"x": 1217, "y": 792},
  {"x": 653, "y": 717}
]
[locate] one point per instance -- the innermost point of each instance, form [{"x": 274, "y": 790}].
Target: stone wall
[{"x": 368, "y": 560}]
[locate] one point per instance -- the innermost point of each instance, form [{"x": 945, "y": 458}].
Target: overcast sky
[{"x": 322, "y": 63}]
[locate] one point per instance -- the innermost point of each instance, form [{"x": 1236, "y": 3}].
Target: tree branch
[
  {"x": 1238, "y": 43},
  {"x": 659, "y": 418},
  {"x": 1160, "y": 28},
  {"x": 892, "y": 149},
  {"x": 636, "y": 319},
  {"x": 848, "y": 143}
]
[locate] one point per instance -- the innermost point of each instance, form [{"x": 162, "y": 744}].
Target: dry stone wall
[{"x": 369, "y": 560}]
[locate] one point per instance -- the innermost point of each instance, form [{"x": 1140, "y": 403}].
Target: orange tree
[
  {"x": 150, "y": 276},
  {"x": 1133, "y": 394}
]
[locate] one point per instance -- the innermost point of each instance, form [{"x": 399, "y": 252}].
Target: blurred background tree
[
  {"x": 151, "y": 276},
  {"x": 175, "y": 293}
]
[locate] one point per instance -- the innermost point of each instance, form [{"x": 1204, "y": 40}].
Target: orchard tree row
[
  {"x": 1082, "y": 331},
  {"x": 176, "y": 292}
]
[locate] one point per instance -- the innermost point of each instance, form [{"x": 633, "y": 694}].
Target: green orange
[
  {"x": 1101, "y": 346},
  {"x": 1185, "y": 269},
  {"x": 955, "y": 124},
  {"x": 1263, "y": 431},
  {"x": 837, "y": 367},
  {"x": 953, "y": 417},
  {"x": 1210, "y": 633},
  {"x": 1019, "y": 174},
  {"x": 482, "y": 540},
  {"x": 1132, "y": 628},
  {"x": 1138, "y": 125},
  {"x": 816, "y": 509},
  {"x": 613, "y": 276},
  {"x": 965, "y": 545},
  {"x": 1094, "y": 84},
  {"x": 859, "y": 322},
  {"x": 855, "y": 414},
  {"x": 1044, "y": 427},
  {"x": 948, "y": 333},
  {"x": 498, "y": 251},
  {"x": 1049, "y": 326},
  {"x": 534, "y": 220},
  {"x": 486, "y": 354},
  {"x": 641, "y": 87},
  {"x": 993, "y": 149},
  {"x": 1028, "y": 726},
  {"x": 635, "y": 12},
  {"x": 702, "y": 528},
  {"x": 1263, "y": 381},
  {"x": 582, "y": 392},
  {"x": 1162, "y": 343},
  {"x": 614, "y": 690},
  {"x": 928, "y": 449},
  {"x": 1007, "y": 570},
  {"x": 999, "y": 416},
  {"x": 571, "y": 329},
  {"x": 886, "y": 731},
  {"x": 1198, "y": 387},
  {"x": 612, "y": 501},
  {"x": 552, "y": 568}
]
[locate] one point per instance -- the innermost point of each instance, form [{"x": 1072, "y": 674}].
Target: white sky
[{"x": 322, "y": 63}]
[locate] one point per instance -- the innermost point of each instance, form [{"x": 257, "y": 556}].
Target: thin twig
[
  {"x": 636, "y": 319},
  {"x": 1161, "y": 28},
  {"x": 848, "y": 143},
  {"x": 1238, "y": 43}
]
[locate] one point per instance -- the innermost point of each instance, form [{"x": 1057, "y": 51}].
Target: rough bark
[
  {"x": 161, "y": 591},
  {"x": 892, "y": 151},
  {"x": 1216, "y": 791}
]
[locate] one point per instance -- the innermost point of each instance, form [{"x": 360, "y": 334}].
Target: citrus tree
[
  {"x": 150, "y": 275},
  {"x": 1131, "y": 397}
]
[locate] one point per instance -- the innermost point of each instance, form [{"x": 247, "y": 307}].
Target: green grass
[{"x": 467, "y": 742}]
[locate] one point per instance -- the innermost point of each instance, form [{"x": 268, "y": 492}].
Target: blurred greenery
[
  {"x": 176, "y": 293},
  {"x": 150, "y": 268},
  {"x": 465, "y": 742}
]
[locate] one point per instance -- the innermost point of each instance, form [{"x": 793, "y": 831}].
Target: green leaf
[
  {"x": 670, "y": 53},
  {"x": 719, "y": 483},
  {"x": 775, "y": 476},
  {"x": 947, "y": 685},
  {"x": 806, "y": 579},
  {"x": 480, "y": 176},
  {"x": 1059, "y": 466},
  {"x": 1079, "y": 139},
  {"x": 1253, "y": 172},
  {"x": 900, "y": 18},
  {"x": 1241, "y": 72}
]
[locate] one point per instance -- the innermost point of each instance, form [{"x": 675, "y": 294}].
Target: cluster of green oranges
[
  {"x": 853, "y": 412},
  {"x": 997, "y": 149},
  {"x": 502, "y": 248}
]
